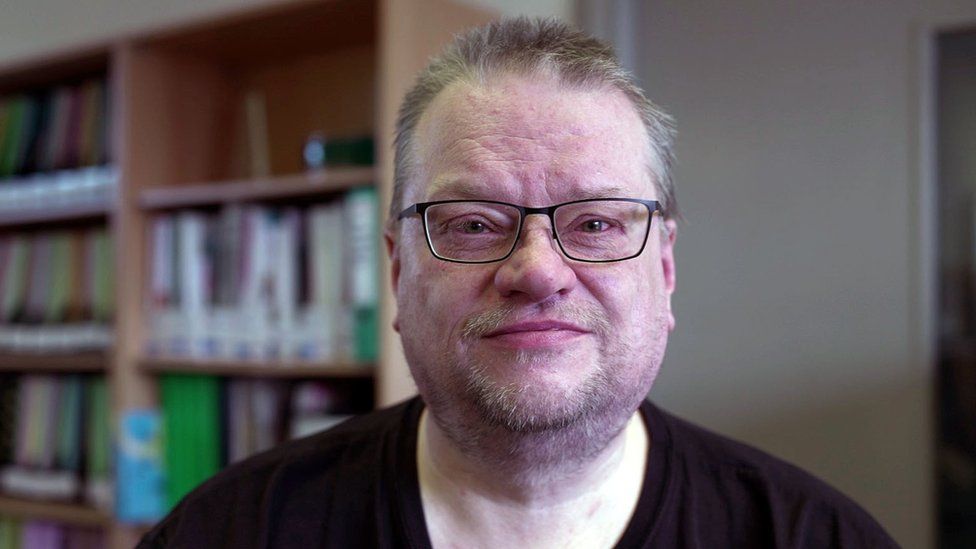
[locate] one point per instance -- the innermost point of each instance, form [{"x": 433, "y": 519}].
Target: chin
[{"x": 536, "y": 401}]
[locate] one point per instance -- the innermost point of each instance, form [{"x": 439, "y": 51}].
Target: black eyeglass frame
[{"x": 419, "y": 209}]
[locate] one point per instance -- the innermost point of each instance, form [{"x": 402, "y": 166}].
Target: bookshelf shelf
[
  {"x": 54, "y": 363},
  {"x": 53, "y": 215},
  {"x": 275, "y": 369},
  {"x": 68, "y": 513},
  {"x": 319, "y": 183}
]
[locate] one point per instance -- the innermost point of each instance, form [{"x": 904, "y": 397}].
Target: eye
[
  {"x": 472, "y": 226},
  {"x": 594, "y": 226}
]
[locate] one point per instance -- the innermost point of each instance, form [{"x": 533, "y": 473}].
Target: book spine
[{"x": 362, "y": 257}]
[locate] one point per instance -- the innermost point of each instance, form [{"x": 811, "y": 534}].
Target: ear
[
  {"x": 667, "y": 264},
  {"x": 393, "y": 253}
]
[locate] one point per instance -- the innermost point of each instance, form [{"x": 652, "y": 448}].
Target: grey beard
[
  {"x": 505, "y": 428},
  {"x": 501, "y": 405},
  {"x": 534, "y": 449},
  {"x": 534, "y": 442}
]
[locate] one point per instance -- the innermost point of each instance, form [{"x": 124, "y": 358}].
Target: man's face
[{"x": 537, "y": 341}]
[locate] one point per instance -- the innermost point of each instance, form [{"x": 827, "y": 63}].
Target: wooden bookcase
[{"x": 335, "y": 66}]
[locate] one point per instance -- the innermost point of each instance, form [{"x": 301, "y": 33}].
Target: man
[{"x": 532, "y": 237}]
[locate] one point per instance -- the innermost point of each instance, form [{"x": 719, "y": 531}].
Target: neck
[
  {"x": 469, "y": 496},
  {"x": 527, "y": 465}
]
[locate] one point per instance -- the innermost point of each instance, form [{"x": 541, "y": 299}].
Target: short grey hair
[{"x": 530, "y": 47}]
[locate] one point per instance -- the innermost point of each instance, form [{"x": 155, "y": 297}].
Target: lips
[{"x": 536, "y": 326}]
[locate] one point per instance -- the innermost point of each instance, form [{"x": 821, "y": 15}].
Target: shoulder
[
  {"x": 792, "y": 504},
  {"x": 287, "y": 481}
]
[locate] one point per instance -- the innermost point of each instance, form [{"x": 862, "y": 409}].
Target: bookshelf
[
  {"x": 67, "y": 513},
  {"x": 317, "y": 184},
  {"x": 59, "y": 214},
  {"x": 87, "y": 362},
  {"x": 264, "y": 369},
  {"x": 208, "y": 114}
]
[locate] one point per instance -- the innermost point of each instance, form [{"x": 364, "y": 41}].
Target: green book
[
  {"x": 4, "y": 122},
  {"x": 29, "y": 128},
  {"x": 15, "y": 280},
  {"x": 9, "y": 533},
  {"x": 103, "y": 279},
  {"x": 191, "y": 431},
  {"x": 60, "y": 281},
  {"x": 97, "y": 441},
  {"x": 12, "y": 136}
]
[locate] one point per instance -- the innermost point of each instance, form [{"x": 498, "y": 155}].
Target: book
[
  {"x": 56, "y": 291},
  {"x": 69, "y": 424},
  {"x": 62, "y": 271},
  {"x": 102, "y": 264},
  {"x": 362, "y": 256},
  {"x": 195, "y": 289},
  {"x": 191, "y": 431},
  {"x": 68, "y": 154},
  {"x": 12, "y": 136},
  {"x": 260, "y": 283},
  {"x": 8, "y": 417},
  {"x": 60, "y": 99},
  {"x": 9, "y": 533},
  {"x": 39, "y": 277},
  {"x": 39, "y": 132},
  {"x": 38, "y": 468},
  {"x": 15, "y": 279},
  {"x": 325, "y": 321},
  {"x": 18, "y": 533},
  {"x": 255, "y": 299},
  {"x": 29, "y": 126},
  {"x": 97, "y": 440},
  {"x": 315, "y": 406},
  {"x": 163, "y": 297},
  {"x": 141, "y": 496},
  {"x": 255, "y": 416}
]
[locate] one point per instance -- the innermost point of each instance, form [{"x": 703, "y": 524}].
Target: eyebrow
[
  {"x": 468, "y": 189},
  {"x": 457, "y": 188}
]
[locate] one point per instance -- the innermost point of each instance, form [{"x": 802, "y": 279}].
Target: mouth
[{"x": 536, "y": 334}]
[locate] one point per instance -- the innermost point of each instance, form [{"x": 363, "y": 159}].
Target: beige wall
[{"x": 800, "y": 305}]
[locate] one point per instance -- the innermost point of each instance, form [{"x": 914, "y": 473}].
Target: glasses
[{"x": 597, "y": 230}]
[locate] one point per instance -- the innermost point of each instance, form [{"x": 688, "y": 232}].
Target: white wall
[{"x": 799, "y": 320}]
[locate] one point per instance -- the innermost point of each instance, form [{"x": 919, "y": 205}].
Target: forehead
[{"x": 530, "y": 139}]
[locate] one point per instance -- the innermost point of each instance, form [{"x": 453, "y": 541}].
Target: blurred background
[{"x": 826, "y": 301}]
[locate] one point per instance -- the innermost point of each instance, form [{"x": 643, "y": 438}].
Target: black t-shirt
[{"x": 356, "y": 486}]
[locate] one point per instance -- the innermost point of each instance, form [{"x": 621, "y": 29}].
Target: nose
[{"x": 537, "y": 269}]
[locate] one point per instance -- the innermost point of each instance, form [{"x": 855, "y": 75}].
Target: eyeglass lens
[{"x": 599, "y": 230}]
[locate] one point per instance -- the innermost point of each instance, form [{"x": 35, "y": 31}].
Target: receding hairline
[
  {"x": 533, "y": 49},
  {"x": 420, "y": 135}
]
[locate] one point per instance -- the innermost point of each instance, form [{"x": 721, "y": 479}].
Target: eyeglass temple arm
[{"x": 412, "y": 210}]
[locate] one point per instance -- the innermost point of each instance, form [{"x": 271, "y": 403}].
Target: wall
[{"x": 800, "y": 321}]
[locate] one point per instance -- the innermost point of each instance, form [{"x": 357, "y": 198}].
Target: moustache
[{"x": 586, "y": 316}]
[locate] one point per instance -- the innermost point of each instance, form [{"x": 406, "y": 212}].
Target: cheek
[
  {"x": 435, "y": 297},
  {"x": 630, "y": 294}
]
